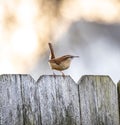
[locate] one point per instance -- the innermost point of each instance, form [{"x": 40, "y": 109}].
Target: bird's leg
[
  {"x": 63, "y": 74},
  {"x": 54, "y": 74}
]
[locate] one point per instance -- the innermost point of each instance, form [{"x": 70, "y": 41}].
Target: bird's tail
[{"x": 52, "y": 55}]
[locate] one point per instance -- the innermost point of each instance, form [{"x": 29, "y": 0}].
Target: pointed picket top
[
  {"x": 59, "y": 100},
  {"x": 98, "y": 100},
  {"x": 16, "y": 100}
]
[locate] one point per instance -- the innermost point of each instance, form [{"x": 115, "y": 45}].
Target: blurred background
[{"x": 87, "y": 28}]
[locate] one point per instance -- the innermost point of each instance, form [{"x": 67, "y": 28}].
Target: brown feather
[{"x": 52, "y": 55}]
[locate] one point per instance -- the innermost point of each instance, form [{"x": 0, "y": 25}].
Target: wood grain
[
  {"x": 98, "y": 101},
  {"x": 58, "y": 100},
  {"x": 18, "y": 100}
]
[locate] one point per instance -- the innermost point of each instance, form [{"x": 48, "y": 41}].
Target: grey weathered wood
[
  {"x": 11, "y": 101},
  {"x": 118, "y": 88},
  {"x": 18, "y": 100},
  {"x": 59, "y": 101},
  {"x": 98, "y": 101},
  {"x": 50, "y": 100}
]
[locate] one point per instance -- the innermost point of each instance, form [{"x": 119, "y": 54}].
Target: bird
[{"x": 59, "y": 63}]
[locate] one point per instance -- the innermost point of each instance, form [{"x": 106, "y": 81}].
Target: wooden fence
[{"x": 58, "y": 100}]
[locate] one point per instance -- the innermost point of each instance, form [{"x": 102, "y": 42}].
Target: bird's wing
[
  {"x": 55, "y": 61},
  {"x": 58, "y": 60}
]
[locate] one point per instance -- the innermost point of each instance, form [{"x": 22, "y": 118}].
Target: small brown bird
[{"x": 60, "y": 63}]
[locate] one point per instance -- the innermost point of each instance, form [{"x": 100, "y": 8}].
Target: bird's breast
[{"x": 62, "y": 66}]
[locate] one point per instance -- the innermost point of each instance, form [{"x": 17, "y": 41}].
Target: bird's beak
[{"x": 75, "y": 56}]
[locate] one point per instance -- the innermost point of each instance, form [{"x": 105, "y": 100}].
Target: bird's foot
[
  {"x": 63, "y": 74},
  {"x": 54, "y": 75}
]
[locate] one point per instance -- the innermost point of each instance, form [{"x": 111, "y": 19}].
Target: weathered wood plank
[
  {"x": 59, "y": 101},
  {"x": 11, "y": 101},
  {"x": 98, "y": 101},
  {"x": 118, "y": 89},
  {"x": 18, "y": 100},
  {"x": 30, "y": 101}
]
